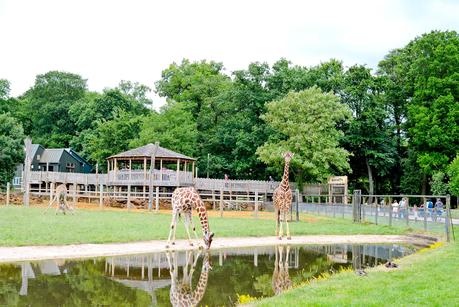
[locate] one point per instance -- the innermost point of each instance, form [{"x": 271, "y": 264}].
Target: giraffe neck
[
  {"x": 198, "y": 293},
  {"x": 284, "y": 183},
  {"x": 201, "y": 208}
]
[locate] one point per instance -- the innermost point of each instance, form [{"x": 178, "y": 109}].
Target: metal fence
[{"x": 408, "y": 211}]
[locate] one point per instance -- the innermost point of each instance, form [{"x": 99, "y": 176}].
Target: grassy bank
[
  {"x": 21, "y": 226},
  {"x": 427, "y": 278}
]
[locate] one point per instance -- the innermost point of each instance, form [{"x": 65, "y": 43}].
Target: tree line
[{"x": 395, "y": 129}]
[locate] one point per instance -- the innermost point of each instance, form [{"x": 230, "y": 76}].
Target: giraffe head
[
  {"x": 208, "y": 238},
  {"x": 288, "y": 156}
]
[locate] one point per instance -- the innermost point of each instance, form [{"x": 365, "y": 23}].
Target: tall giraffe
[
  {"x": 282, "y": 199},
  {"x": 183, "y": 201},
  {"x": 60, "y": 196},
  {"x": 181, "y": 292},
  {"x": 281, "y": 279}
]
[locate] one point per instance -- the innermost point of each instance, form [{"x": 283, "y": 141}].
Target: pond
[{"x": 218, "y": 278}]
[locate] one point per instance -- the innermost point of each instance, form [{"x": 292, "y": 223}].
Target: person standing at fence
[
  {"x": 401, "y": 211},
  {"x": 438, "y": 208},
  {"x": 395, "y": 208},
  {"x": 415, "y": 212},
  {"x": 430, "y": 208}
]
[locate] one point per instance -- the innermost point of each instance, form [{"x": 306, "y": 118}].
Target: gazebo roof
[{"x": 147, "y": 150}]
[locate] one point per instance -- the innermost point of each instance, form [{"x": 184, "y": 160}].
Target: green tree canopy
[
  {"x": 11, "y": 146},
  {"x": 111, "y": 137},
  {"x": 367, "y": 136},
  {"x": 47, "y": 106},
  {"x": 174, "y": 127},
  {"x": 306, "y": 124}
]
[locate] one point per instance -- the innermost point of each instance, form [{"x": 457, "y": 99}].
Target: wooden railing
[
  {"x": 120, "y": 177},
  {"x": 237, "y": 185}
]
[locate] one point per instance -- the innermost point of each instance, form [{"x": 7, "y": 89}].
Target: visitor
[
  {"x": 439, "y": 207},
  {"x": 429, "y": 208},
  {"x": 415, "y": 212},
  {"x": 402, "y": 208},
  {"x": 395, "y": 208},
  {"x": 271, "y": 182}
]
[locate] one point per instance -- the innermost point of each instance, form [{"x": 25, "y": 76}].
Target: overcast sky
[{"x": 109, "y": 41}]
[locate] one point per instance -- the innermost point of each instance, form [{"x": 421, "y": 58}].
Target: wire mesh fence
[{"x": 430, "y": 213}]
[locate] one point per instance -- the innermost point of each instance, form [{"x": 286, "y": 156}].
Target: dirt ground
[{"x": 75, "y": 251}]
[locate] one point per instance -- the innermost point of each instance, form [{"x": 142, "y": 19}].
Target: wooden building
[{"x": 133, "y": 167}]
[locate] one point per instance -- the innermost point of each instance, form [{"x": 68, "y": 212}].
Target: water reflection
[
  {"x": 181, "y": 278},
  {"x": 281, "y": 278},
  {"x": 181, "y": 292}
]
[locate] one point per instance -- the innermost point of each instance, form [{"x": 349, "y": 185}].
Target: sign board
[{"x": 338, "y": 180}]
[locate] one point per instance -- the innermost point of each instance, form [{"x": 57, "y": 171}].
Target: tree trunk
[
  {"x": 424, "y": 185},
  {"x": 370, "y": 181}
]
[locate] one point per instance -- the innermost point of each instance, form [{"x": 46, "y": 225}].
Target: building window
[
  {"x": 38, "y": 157},
  {"x": 70, "y": 167}
]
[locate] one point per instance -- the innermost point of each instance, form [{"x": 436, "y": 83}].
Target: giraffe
[
  {"x": 181, "y": 292},
  {"x": 281, "y": 279},
  {"x": 60, "y": 197},
  {"x": 282, "y": 198},
  {"x": 183, "y": 201}
]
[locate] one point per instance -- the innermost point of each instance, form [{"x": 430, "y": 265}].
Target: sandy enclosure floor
[{"x": 75, "y": 251}]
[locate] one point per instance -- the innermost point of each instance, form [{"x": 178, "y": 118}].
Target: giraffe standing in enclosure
[
  {"x": 60, "y": 197},
  {"x": 183, "y": 201},
  {"x": 282, "y": 199},
  {"x": 181, "y": 293},
  {"x": 281, "y": 279}
]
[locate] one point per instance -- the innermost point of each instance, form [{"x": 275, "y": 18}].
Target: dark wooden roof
[{"x": 147, "y": 150}]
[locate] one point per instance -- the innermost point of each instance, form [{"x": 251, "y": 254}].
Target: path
[{"x": 32, "y": 253}]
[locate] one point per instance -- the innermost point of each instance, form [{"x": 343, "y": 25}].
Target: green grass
[
  {"x": 427, "y": 278},
  {"x": 21, "y": 226}
]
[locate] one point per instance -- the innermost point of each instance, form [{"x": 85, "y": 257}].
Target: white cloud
[{"x": 107, "y": 41}]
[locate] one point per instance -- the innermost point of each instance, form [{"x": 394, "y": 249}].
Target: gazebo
[{"x": 133, "y": 167}]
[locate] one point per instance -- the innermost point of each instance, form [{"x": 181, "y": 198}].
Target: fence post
[
  {"x": 75, "y": 200},
  {"x": 7, "y": 193},
  {"x": 297, "y": 205},
  {"x": 221, "y": 203},
  {"x": 256, "y": 204},
  {"x": 390, "y": 211},
  {"x": 128, "y": 203},
  {"x": 26, "y": 174},
  {"x": 356, "y": 206},
  {"x": 101, "y": 195},
  {"x": 157, "y": 199},
  {"x": 407, "y": 211},
  {"x": 447, "y": 217}
]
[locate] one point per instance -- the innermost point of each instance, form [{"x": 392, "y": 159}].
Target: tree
[
  {"x": 47, "y": 106},
  {"x": 453, "y": 173},
  {"x": 110, "y": 137},
  {"x": 198, "y": 87},
  {"x": 4, "y": 95},
  {"x": 136, "y": 91},
  {"x": 367, "y": 135},
  {"x": 174, "y": 127},
  {"x": 11, "y": 146},
  {"x": 438, "y": 184},
  {"x": 305, "y": 124},
  {"x": 427, "y": 70}
]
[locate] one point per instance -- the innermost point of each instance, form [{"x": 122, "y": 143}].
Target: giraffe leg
[
  {"x": 187, "y": 226},
  {"x": 194, "y": 227},
  {"x": 280, "y": 226},
  {"x": 277, "y": 221},
  {"x": 286, "y": 224},
  {"x": 172, "y": 230}
]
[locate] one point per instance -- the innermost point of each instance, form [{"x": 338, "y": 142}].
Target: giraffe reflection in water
[
  {"x": 181, "y": 292},
  {"x": 281, "y": 279}
]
